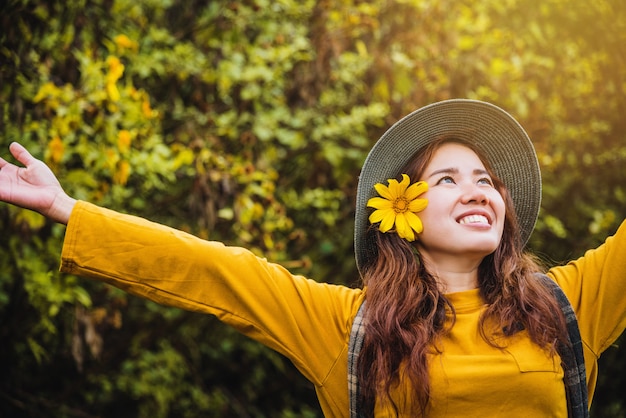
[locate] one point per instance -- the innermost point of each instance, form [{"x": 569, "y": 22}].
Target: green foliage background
[{"x": 247, "y": 122}]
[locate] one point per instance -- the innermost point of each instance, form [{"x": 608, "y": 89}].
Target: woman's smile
[{"x": 474, "y": 219}]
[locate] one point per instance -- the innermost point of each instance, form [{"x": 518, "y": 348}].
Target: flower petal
[
  {"x": 379, "y": 203},
  {"x": 384, "y": 191},
  {"x": 377, "y": 216},
  {"x": 405, "y": 182},
  {"x": 418, "y": 205},
  {"x": 403, "y": 229},
  {"x": 394, "y": 189},
  {"x": 414, "y": 222},
  {"x": 416, "y": 189},
  {"x": 388, "y": 220}
]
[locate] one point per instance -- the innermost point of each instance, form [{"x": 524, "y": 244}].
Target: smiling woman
[
  {"x": 465, "y": 215},
  {"x": 466, "y": 240},
  {"x": 454, "y": 317}
]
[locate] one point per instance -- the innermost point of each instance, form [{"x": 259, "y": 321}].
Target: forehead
[{"x": 454, "y": 155}]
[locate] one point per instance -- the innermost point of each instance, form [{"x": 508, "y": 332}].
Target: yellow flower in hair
[{"x": 398, "y": 207}]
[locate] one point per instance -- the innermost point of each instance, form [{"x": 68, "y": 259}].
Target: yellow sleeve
[
  {"x": 595, "y": 284},
  {"x": 302, "y": 319}
]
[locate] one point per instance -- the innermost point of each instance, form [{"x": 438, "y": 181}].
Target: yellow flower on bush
[
  {"x": 123, "y": 141},
  {"x": 122, "y": 173},
  {"x": 56, "y": 148},
  {"x": 124, "y": 42},
  {"x": 398, "y": 206},
  {"x": 116, "y": 69}
]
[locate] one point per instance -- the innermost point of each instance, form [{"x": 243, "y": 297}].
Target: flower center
[{"x": 400, "y": 205}]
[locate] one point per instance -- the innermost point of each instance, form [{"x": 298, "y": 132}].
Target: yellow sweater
[{"x": 309, "y": 322}]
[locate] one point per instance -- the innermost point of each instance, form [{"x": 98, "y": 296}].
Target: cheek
[
  {"x": 431, "y": 210},
  {"x": 498, "y": 204},
  {"x": 428, "y": 221},
  {"x": 499, "y": 207},
  {"x": 433, "y": 215}
]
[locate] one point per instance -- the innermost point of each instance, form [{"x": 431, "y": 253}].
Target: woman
[{"x": 456, "y": 321}]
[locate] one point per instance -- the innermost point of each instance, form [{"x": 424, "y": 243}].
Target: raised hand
[{"x": 33, "y": 186}]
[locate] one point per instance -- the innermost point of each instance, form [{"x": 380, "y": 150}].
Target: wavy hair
[{"x": 407, "y": 313}]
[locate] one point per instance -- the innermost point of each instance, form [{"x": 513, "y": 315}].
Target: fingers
[
  {"x": 21, "y": 154},
  {"x": 3, "y": 162}
]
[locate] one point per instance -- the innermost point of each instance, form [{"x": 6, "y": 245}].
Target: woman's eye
[
  {"x": 486, "y": 180},
  {"x": 446, "y": 180}
]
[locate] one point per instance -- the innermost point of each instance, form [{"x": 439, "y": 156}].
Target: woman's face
[{"x": 465, "y": 213}]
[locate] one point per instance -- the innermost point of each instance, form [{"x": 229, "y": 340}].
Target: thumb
[{"x": 21, "y": 154}]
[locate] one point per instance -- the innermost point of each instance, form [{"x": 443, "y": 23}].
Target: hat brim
[{"x": 494, "y": 132}]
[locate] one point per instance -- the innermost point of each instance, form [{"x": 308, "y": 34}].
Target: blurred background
[{"x": 247, "y": 122}]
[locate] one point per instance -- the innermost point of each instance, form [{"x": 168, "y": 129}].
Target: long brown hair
[{"x": 407, "y": 313}]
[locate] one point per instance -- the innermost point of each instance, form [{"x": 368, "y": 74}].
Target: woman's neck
[
  {"x": 455, "y": 274},
  {"x": 452, "y": 282}
]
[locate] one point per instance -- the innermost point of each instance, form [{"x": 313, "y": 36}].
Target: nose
[{"x": 473, "y": 193}]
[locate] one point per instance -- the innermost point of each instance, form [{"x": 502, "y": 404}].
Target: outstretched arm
[{"x": 33, "y": 186}]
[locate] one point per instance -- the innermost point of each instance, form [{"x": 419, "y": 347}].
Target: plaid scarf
[{"x": 571, "y": 353}]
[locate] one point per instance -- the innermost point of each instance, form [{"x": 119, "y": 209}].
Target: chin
[{"x": 485, "y": 248}]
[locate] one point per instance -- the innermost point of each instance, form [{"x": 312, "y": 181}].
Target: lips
[{"x": 474, "y": 219}]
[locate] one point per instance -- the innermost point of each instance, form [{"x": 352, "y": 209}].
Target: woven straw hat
[{"x": 497, "y": 134}]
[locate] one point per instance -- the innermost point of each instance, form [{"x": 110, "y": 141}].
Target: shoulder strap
[
  {"x": 357, "y": 334},
  {"x": 575, "y": 378}
]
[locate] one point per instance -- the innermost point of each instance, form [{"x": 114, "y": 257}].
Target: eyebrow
[{"x": 451, "y": 170}]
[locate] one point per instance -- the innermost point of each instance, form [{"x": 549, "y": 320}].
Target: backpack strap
[
  {"x": 357, "y": 335},
  {"x": 574, "y": 379}
]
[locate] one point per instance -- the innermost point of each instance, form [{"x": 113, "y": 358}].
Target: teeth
[{"x": 474, "y": 219}]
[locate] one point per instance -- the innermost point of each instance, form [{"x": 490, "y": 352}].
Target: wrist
[{"x": 61, "y": 208}]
